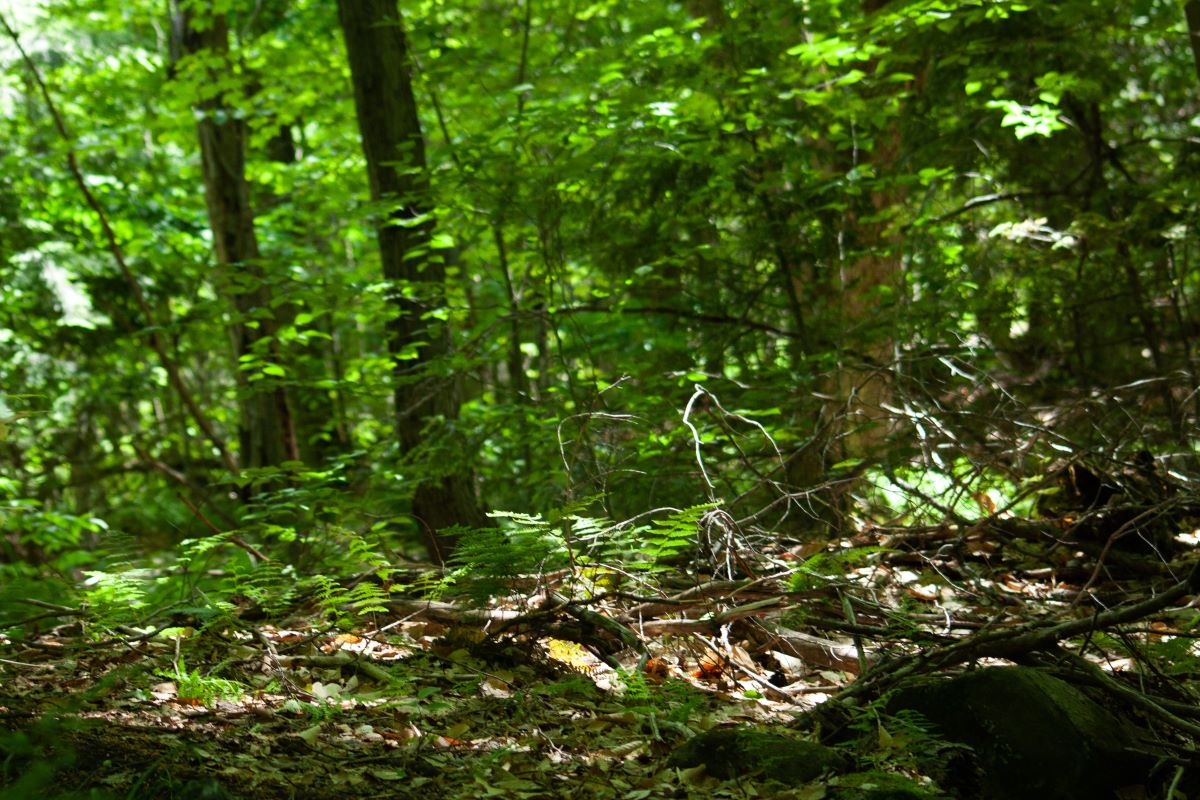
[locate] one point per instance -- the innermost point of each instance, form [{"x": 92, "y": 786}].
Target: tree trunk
[
  {"x": 1191, "y": 11},
  {"x": 394, "y": 147},
  {"x": 266, "y": 432}
]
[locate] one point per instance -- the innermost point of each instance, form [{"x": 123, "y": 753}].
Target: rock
[
  {"x": 1033, "y": 735},
  {"x": 729, "y": 752}
]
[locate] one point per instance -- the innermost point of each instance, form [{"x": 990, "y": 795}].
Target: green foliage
[
  {"x": 33, "y": 760},
  {"x": 329, "y": 595},
  {"x": 50, "y": 532},
  {"x": 367, "y": 598},
  {"x": 887, "y": 239},
  {"x": 192, "y": 549},
  {"x": 527, "y": 545},
  {"x": 530, "y": 544},
  {"x": 962, "y": 488},
  {"x": 119, "y": 592},
  {"x": 901, "y": 741},
  {"x": 197, "y": 687},
  {"x": 671, "y": 536},
  {"x": 269, "y": 585},
  {"x": 367, "y": 595},
  {"x": 717, "y": 272},
  {"x": 829, "y": 567},
  {"x": 673, "y": 702}
]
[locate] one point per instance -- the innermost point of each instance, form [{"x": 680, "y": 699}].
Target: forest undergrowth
[{"x": 569, "y": 655}]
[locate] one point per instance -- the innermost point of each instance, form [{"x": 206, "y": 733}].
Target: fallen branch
[
  {"x": 1014, "y": 643},
  {"x": 368, "y": 668}
]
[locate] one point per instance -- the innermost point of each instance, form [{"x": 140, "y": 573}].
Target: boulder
[
  {"x": 729, "y": 752},
  {"x": 1031, "y": 734}
]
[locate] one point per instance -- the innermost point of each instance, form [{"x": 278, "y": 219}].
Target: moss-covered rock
[
  {"x": 1033, "y": 735},
  {"x": 728, "y": 752}
]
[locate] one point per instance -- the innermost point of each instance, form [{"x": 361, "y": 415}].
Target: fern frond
[{"x": 368, "y": 597}]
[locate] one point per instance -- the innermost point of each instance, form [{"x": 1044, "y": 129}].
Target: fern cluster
[
  {"x": 364, "y": 597},
  {"x": 115, "y": 593},
  {"x": 532, "y": 544},
  {"x": 270, "y": 585},
  {"x": 203, "y": 689},
  {"x": 828, "y": 566}
]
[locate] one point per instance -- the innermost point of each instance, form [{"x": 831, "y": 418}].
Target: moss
[
  {"x": 729, "y": 752},
  {"x": 1032, "y": 734},
  {"x": 877, "y": 785}
]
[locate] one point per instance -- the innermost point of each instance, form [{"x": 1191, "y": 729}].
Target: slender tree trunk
[
  {"x": 314, "y": 414},
  {"x": 266, "y": 430},
  {"x": 1191, "y": 11},
  {"x": 395, "y": 153},
  {"x": 863, "y": 379}
]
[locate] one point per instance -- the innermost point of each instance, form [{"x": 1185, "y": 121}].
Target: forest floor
[
  {"x": 536, "y": 695},
  {"x": 412, "y": 707}
]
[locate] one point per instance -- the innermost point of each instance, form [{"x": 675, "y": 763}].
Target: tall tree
[
  {"x": 394, "y": 147},
  {"x": 267, "y": 433}
]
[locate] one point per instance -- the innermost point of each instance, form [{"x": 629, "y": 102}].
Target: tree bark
[
  {"x": 266, "y": 431},
  {"x": 394, "y": 147},
  {"x": 1191, "y": 11}
]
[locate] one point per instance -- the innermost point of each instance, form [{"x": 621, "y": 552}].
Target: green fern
[
  {"x": 192, "y": 549},
  {"x": 530, "y": 544},
  {"x": 117, "y": 592},
  {"x": 330, "y": 595},
  {"x": 366, "y": 553},
  {"x": 434, "y": 586},
  {"x": 201, "y": 688},
  {"x": 678, "y": 533},
  {"x": 271, "y": 585},
  {"x": 826, "y": 567},
  {"x": 526, "y": 545},
  {"x": 368, "y": 597},
  {"x": 601, "y": 541}
]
